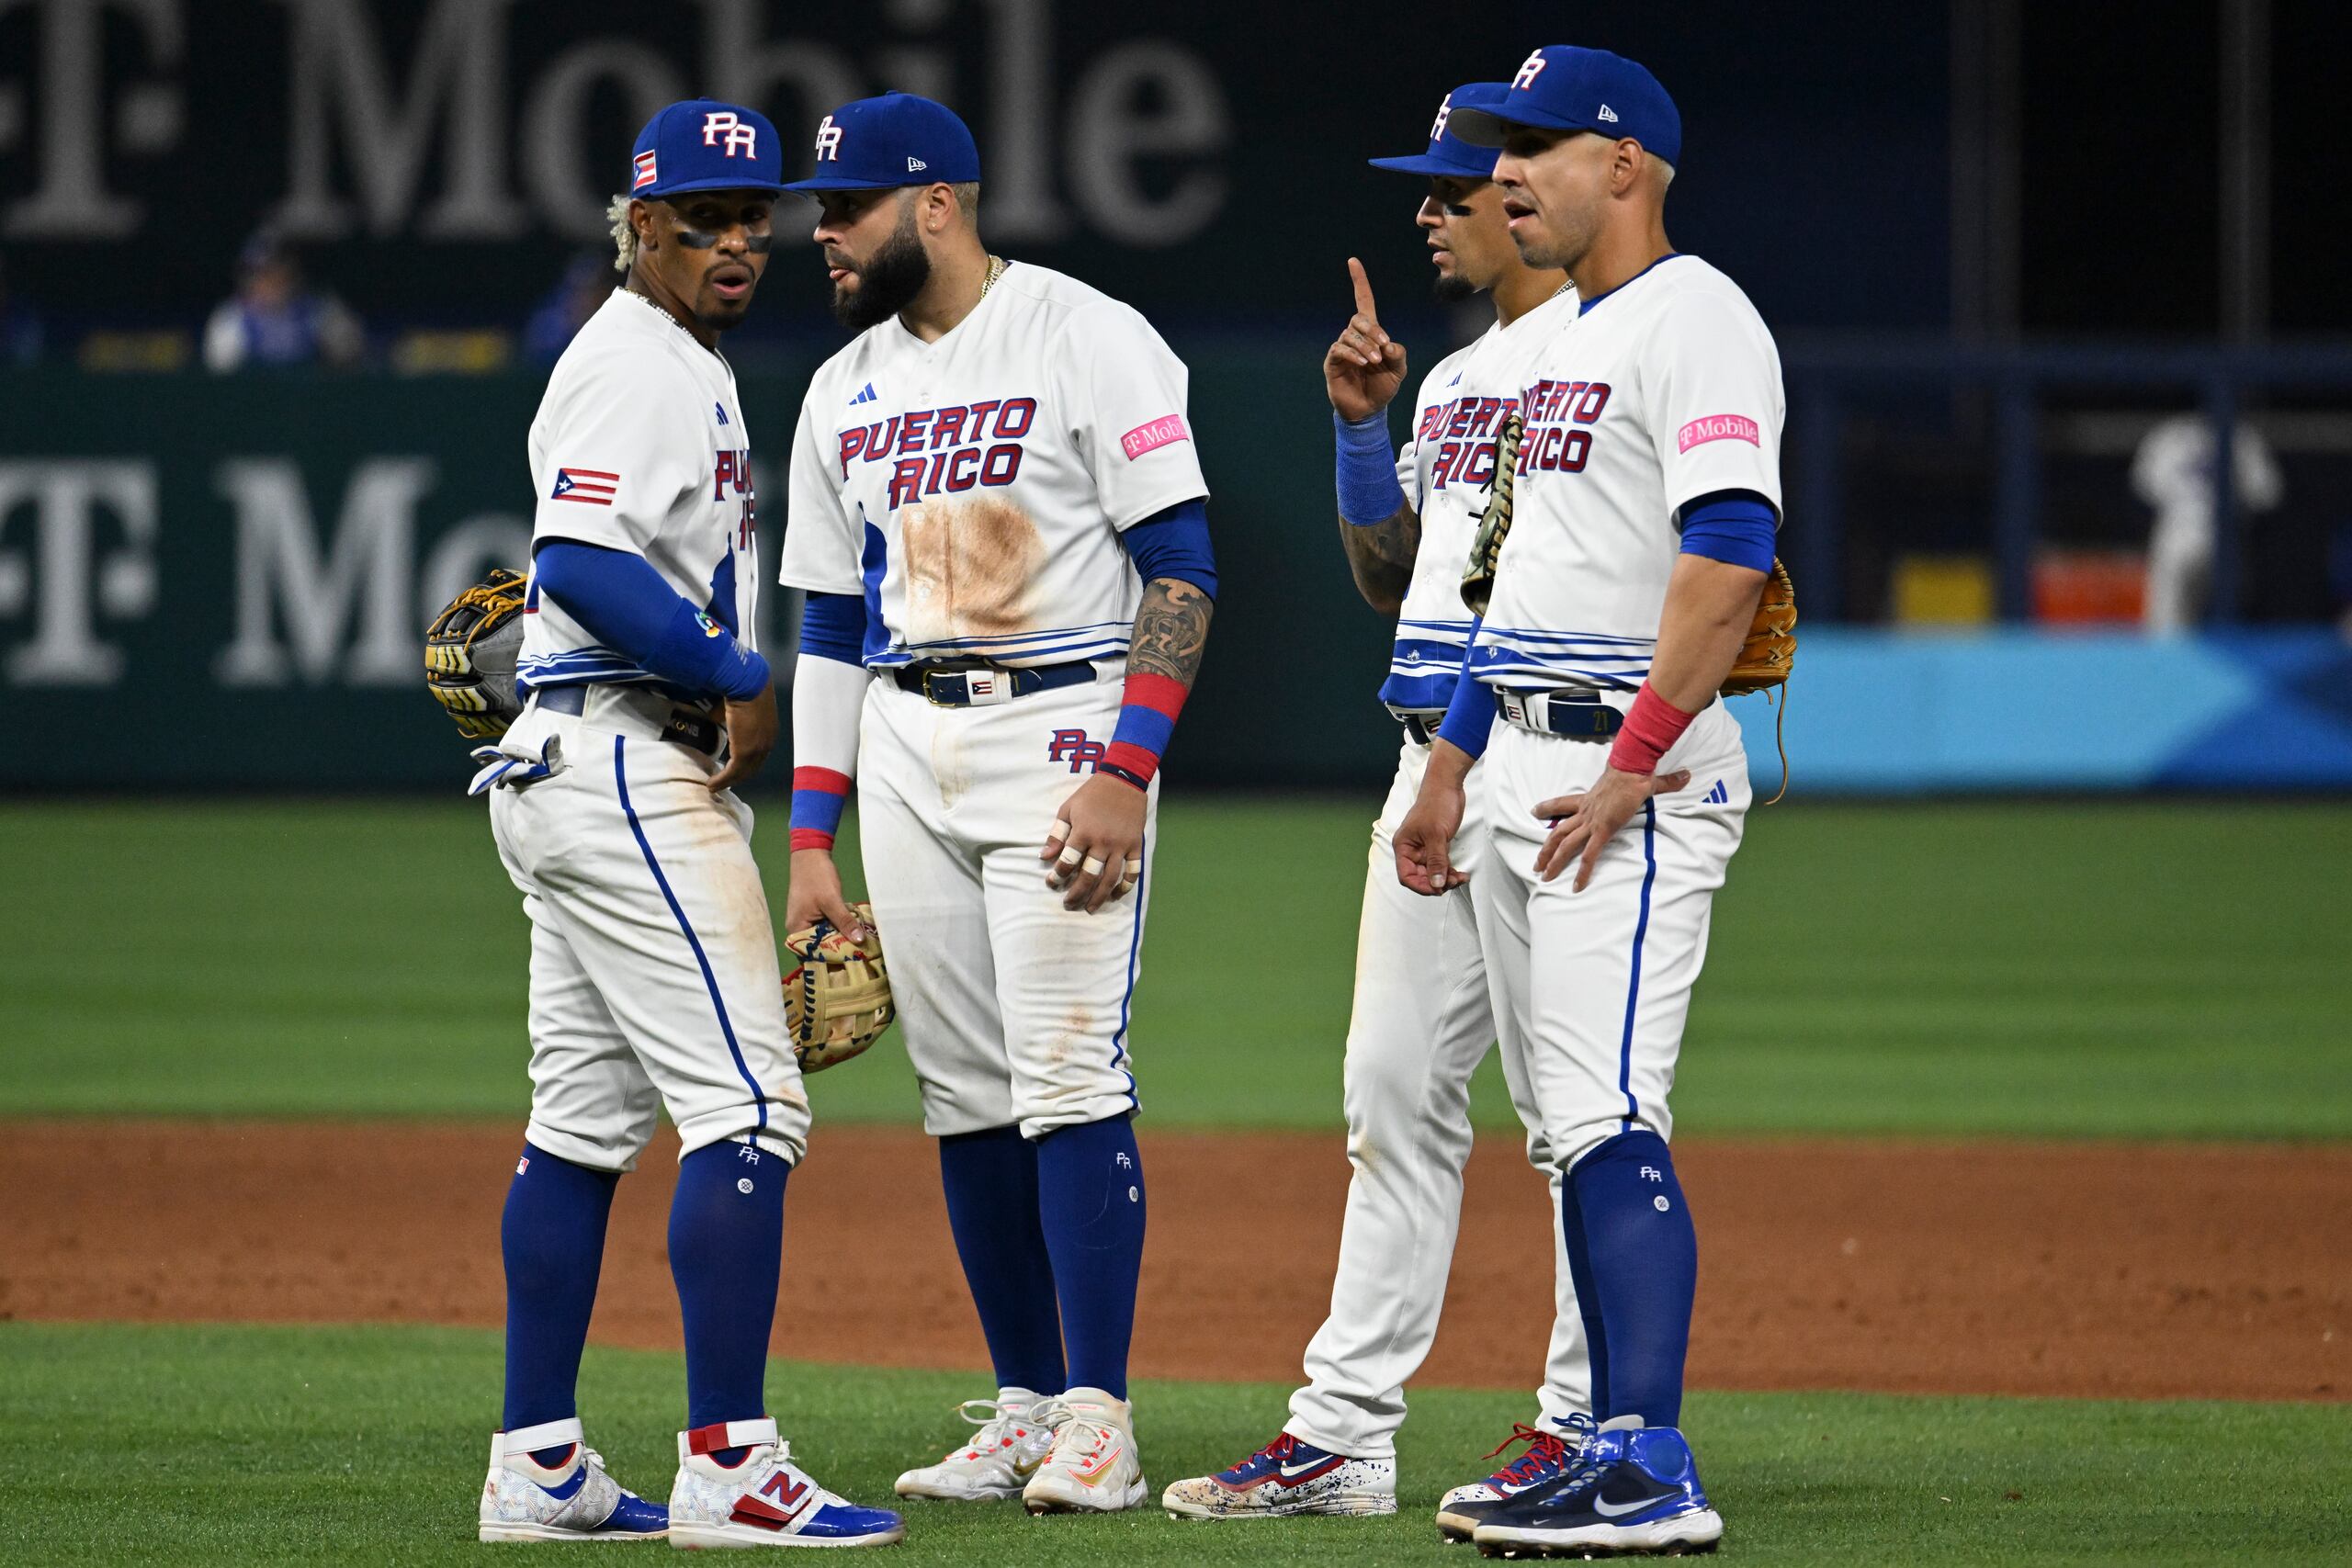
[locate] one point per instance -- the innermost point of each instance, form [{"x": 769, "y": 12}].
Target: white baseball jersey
[
  {"x": 1662, "y": 391},
  {"x": 1447, "y": 470},
  {"x": 974, "y": 489},
  {"x": 639, "y": 445}
]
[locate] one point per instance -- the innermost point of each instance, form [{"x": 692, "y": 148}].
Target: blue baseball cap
[
  {"x": 1563, "y": 87},
  {"x": 703, "y": 144},
  {"x": 893, "y": 141},
  {"x": 1449, "y": 154}
]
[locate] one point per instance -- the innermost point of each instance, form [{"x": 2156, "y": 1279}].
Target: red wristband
[{"x": 1652, "y": 726}]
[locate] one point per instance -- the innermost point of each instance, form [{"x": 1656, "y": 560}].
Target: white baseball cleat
[
  {"x": 1287, "y": 1476},
  {"x": 1094, "y": 1467},
  {"x": 1016, "y": 1433},
  {"x": 571, "y": 1499},
  {"x": 764, "y": 1499}
]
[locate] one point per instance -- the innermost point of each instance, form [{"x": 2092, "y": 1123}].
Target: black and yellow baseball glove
[{"x": 470, "y": 653}]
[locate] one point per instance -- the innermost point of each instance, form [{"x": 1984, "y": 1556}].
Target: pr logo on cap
[
  {"x": 1529, "y": 70},
  {"x": 829, "y": 141},
  {"x": 1445, "y": 113},
  {"x": 740, "y": 137}
]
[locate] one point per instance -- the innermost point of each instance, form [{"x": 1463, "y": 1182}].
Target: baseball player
[
  {"x": 654, "y": 978},
  {"x": 1620, "y": 582},
  {"x": 996, "y": 510},
  {"x": 1421, "y": 1019}
]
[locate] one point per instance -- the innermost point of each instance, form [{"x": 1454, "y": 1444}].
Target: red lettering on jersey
[
  {"x": 949, "y": 428},
  {"x": 1001, "y": 463},
  {"x": 963, "y": 468},
  {"x": 906, "y": 482},
  {"x": 1027, "y": 411},
  {"x": 853, "y": 442},
  {"x": 911, "y": 431}
]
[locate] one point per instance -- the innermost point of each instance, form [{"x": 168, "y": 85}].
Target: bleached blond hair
[{"x": 624, "y": 233}]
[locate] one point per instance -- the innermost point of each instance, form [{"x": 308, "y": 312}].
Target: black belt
[
  {"x": 696, "y": 729},
  {"x": 1578, "y": 716},
  {"x": 1420, "y": 726},
  {"x": 970, "y": 684}
]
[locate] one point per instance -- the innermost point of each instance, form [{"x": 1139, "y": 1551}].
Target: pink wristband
[{"x": 1652, "y": 726}]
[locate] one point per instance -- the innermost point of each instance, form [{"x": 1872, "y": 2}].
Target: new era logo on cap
[
  {"x": 1607, "y": 115},
  {"x": 916, "y": 165}
]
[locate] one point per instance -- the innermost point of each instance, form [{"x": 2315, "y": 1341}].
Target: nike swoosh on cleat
[
  {"x": 1095, "y": 1479},
  {"x": 1292, "y": 1473},
  {"x": 1609, "y": 1510}
]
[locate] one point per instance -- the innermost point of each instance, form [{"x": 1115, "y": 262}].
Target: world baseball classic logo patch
[
  {"x": 1718, "y": 427},
  {"x": 1165, "y": 431}
]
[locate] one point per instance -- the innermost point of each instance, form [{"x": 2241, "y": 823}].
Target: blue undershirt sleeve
[
  {"x": 832, "y": 626},
  {"x": 625, "y": 604},
  {"x": 1470, "y": 716},
  {"x": 1174, "y": 544},
  {"x": 1737, "y": 526}
]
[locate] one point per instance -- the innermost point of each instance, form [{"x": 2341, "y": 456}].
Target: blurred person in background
[
  {"x": 587, "y": 280},
  {"x": 20, "y": 335},
  {"x": 276, "y": 318},
  {"x": 2173, "y": 472}
]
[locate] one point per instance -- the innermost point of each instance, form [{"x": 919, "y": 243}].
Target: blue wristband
[
  {"x": 1369, "y": 492},
  {"x": 1737, "y": 526}
]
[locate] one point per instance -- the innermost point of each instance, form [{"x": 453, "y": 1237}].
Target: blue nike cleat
[{"x": 1635, "y": 1491}]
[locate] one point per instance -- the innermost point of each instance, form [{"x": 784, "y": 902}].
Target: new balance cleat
[
  {"x": 1016, "y": 1433},
  {"x": 1635, "y": 1491},
  {"x": 1550, "y": 1455},
  {"x": 762, "y": 1499},
  {"x": 570, "y": 1499},
  {"x": 1287, "y": 1476},
  {"x": 1094, "y": 1467}
]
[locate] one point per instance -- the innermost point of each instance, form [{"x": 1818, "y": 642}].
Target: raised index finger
[{"x": 1365, "y": 306}]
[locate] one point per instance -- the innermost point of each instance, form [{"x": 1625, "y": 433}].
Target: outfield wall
[{"x": 220, "y": 585}]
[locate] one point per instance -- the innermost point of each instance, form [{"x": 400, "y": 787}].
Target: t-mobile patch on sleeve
[
  {"x": 1718, "y": 427},
  {"x": 1162, "y": 432}
]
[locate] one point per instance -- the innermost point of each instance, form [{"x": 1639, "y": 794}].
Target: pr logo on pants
[{"x": 1074, "y": 747}]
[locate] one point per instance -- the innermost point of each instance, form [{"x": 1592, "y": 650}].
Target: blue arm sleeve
[
  {"x": 1174, "y": 544},
  {"x": 1470, "y": 716},
  {"x": 832, "y": 626},
  {"x": 1366, "y": 470},
  {"x": 625, "y": 604},
  {"x": 1737, "y": 526}
]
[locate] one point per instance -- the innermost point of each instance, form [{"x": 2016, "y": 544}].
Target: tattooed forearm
[
  {"x": 1381, "y": 557},
  {"x": 1172, "y": 628}
]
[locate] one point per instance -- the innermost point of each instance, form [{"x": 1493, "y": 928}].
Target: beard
[
  {"x": 888, "y": 282},
  {"x": 1451, "y": 289}
]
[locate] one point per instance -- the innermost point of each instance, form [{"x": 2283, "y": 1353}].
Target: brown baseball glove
[
  {"x": 1769, "y": 655},
  {"x": 470, "y": 653},
  {"x": 837, "y": 998}
]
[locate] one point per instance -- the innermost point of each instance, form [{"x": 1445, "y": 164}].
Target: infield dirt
[{"x": 2086, "y": 1270}]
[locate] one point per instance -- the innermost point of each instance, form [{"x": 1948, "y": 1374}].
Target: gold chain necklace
[{"x": 996, "y": 270}]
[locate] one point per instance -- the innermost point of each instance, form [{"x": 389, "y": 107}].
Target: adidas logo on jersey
[
  {"x": 866, "y": 396},
  {"x": 1718, "y": 795}
]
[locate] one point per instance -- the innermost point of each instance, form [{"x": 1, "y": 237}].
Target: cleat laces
[{"x": 1000, "y": 1426}]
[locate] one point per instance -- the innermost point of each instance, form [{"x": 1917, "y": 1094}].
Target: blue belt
[
  {"x": 1578, "y": 716},
  {"x": 982, "y": 686}
]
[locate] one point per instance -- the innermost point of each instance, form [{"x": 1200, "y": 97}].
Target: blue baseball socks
[
  {"x": 1089, "y": 1191},
  {"x": 726, "y": 1250},
  {"x": 552, "y": 1236},
  {"x": 991, "y": 1180},
  {"x": 1635, "y": 1260}
]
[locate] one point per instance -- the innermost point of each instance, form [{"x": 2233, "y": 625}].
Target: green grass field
[
  {"x": 2066, "y": 969},
  {"x": 2144, "y": 970},
  {"x": 283, "y": 1446}
]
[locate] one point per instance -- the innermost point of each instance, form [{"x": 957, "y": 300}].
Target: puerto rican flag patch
[
  {"x": 642, "y": 171},
  {"x": 585, "y": 485}
]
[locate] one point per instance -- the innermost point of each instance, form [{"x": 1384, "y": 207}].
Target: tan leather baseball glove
[{"x": 837, "y": 998}]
